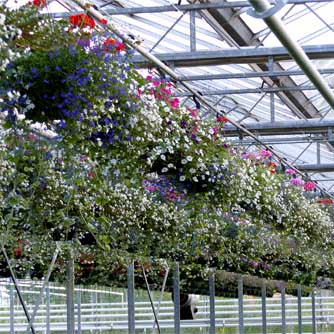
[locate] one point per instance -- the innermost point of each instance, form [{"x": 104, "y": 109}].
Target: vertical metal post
[
  {"x": 299, "y": 298},
  {"x": 314, "y": 324},
  {"x": 264, "y": 306},
  {"x": 131, "y": 298},
  {"x": 241, "y": 305},
  {"x": 192, "y": 23},
  {"x": 272, "y": 94},
  {"x": 318, "y": 153},
  {"x": 176, "y": 297},
  {"x": 70, "y": 293},
  {"x": 11, "y": 308},
  {"x": 212, "y": 302},
  {"x": 283, "y": 310},
  {"x": 272, "y": 107},
  {"x": 79, "y": 310},
  {"x": 47, "y": 302}
]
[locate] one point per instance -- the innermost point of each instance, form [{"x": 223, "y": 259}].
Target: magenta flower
[
  {"x": 297, "y": 182},
  {"x": 309, "y": 186},
  {"x": 265, "y": 154},
  {"x": 290, "y": 171},
  {"x": 174, "y": 103}
]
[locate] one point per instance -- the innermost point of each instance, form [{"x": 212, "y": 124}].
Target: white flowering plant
[{"x": 126, "y": 171}]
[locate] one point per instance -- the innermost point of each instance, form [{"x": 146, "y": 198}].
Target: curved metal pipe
[{"x": 295, "y": 50}]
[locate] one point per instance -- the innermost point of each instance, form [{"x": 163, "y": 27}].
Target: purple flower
[
  {"x": 297, "y": 182},
  {"x": 290, "y": 171}
]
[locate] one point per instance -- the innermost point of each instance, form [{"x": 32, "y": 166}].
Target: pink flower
[
  {"x": 309, "y": 186},
  {"x": 265, "y": 154},
  {"x": 150, "y": 188},
  {"x": 174, "y": 103},
  {"x": 149, "y": 78},
  {"x": 290, "y": 171},
  {"x": 156, "y": 83},
  {"x": 297, "y": 182},
  {"x": 254, "y": 264},
  {"x": 215, "y": 130}
]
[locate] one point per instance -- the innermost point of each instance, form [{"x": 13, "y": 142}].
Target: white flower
[
  {"x": 189, "y": 158},
  {"x": 164, "y": 170},
  {"x": 182, "y": 178}
]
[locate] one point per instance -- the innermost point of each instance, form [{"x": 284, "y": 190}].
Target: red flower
[
  {"x": 91, "y": 174},
  {"x": 109, "y": 44},
  {"x": 222, "y": 119},
  {"x": 81, "y": 21},
  {"x": 272, "y": 167},
  {"x": 38, "y": 3},
  {"x": 120, "y": 46},
  {"x": 103, "y": 21}
]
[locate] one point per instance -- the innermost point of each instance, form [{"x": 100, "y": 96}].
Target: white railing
[{"x": 103, "y": 314}]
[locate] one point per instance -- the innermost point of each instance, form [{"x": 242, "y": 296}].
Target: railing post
[
  {"x": 11, "y": 307},
  {"x": 70, "y": 293},
  {"x": 283, "y": 310},
  {"x": 314, "y": 324},
  {"x": 299, "y": 297},
  {"x": 264, "y": 306},
  {"x": 212, "y": 302},
  {"x": 131, "y": 298},
  {"x": 241, "y": 305},
  {"x": 176, "y": 297},
  {"x": 79, "y": 310},
  {"x": 47, "y": 301}
]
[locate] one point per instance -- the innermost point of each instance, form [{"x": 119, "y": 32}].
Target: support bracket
[{"x": 269, "y": 12}]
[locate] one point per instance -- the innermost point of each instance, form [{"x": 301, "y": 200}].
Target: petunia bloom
[
  {"x": 290, "y": 171},
  {"x": 309, "y": 186},
  {"x": 38, "y": 3},
  {"x": 222, "y": 119},
  {"x": 265, "y": 154},
  {"x": 103, "y": 21},
  {"x": 297, "y": 182},
  {"x": 81, "y": 21}
]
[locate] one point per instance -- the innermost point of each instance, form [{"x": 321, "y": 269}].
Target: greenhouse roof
[{"x": 237, "y": 63}]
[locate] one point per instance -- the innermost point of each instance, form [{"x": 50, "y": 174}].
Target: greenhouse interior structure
[{"x": 167, "y": 166}]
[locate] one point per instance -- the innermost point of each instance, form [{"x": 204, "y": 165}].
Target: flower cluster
[{"x": 128, "y": 168}]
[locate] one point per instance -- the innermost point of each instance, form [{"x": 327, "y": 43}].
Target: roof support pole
[{"x": 295, "y": 50}]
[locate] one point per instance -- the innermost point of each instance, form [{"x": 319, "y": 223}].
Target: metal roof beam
[
  {"x": 197, "y": 6},
  {"x": 235, "y": 56},
  {"x": 233, "y": 29},
  {"x": 250, "y": 90},
  {"x": 282, "y": 128},
  {"x": 243, "y": 75},
  {"x": 316, "y": 168}
]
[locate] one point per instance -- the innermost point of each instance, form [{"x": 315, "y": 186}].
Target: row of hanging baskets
[{"x": 122, "y": 169}]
